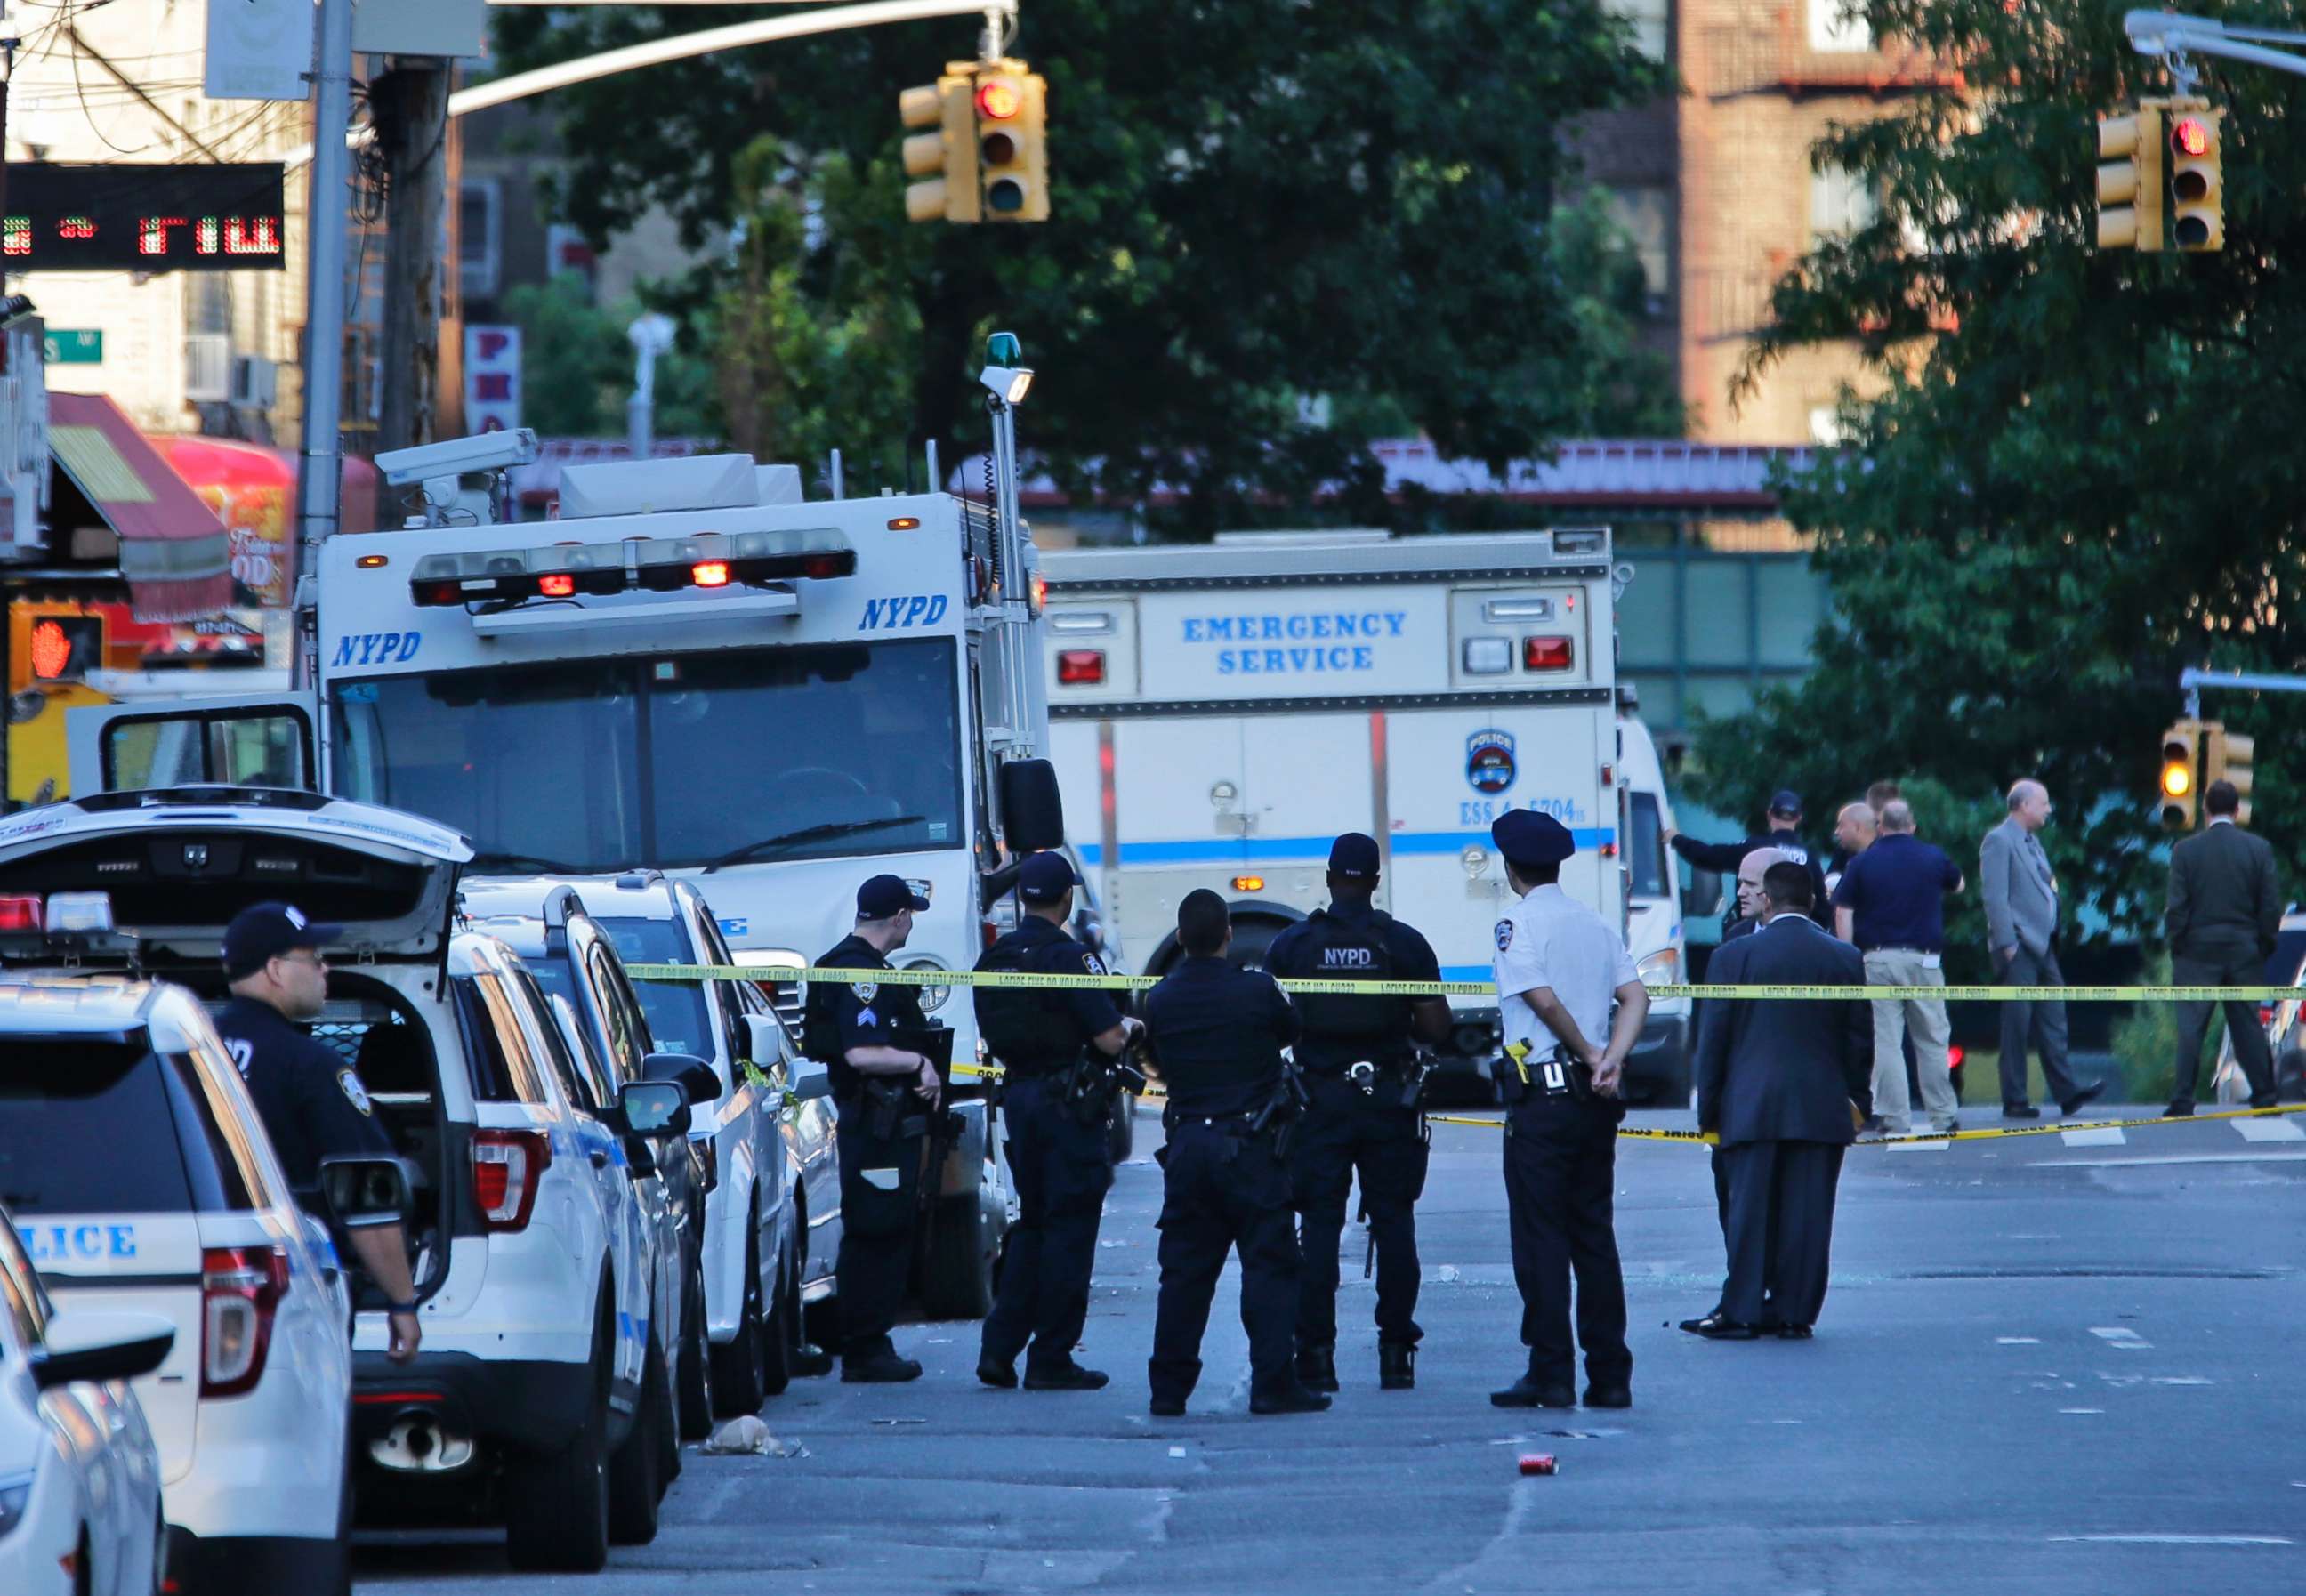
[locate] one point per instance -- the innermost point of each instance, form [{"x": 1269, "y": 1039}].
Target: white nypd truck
[
  {"x": 1226, "y": 710},
  {"x": 691, "y": 669}
]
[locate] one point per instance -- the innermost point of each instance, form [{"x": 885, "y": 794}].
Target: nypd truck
[
  {"x": 1224, "y": 711},
  {"x": 694, "y": 671}
]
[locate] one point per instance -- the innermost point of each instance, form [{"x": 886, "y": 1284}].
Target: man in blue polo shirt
[{"x": 1891, "y": 903}]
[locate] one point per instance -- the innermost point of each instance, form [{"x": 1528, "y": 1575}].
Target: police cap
[
  {"x": 1046, "y": 877},
  {"x": 884, "y": 895},
  {"x": 263, "y": 932},
  {"x": 1786, "y": 803},
  {"x": 1526, "y": 837},
  {"x": 1354, "y": 855}
]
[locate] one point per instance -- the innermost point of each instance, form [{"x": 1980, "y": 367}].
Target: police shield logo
[
  {"x": 1505, "y": 935},
  {"x": 355, "y": 1092},
  {"x": 1489, "y": 761},
  {"x": 1092, "y": 965},
  {"x": 865, "y": 991}
]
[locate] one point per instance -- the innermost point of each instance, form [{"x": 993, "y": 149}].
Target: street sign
[
  {"x": 73, "y": 347},
  {"x": 259, "y": 49},
  {"x": 150, "y": 217},
  {"x": 491, "y": 379}
]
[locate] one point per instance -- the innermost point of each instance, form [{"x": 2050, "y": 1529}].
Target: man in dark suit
[
  {"x": 1777, "y": 1080},
  {"x": 2225, "y": 912}
]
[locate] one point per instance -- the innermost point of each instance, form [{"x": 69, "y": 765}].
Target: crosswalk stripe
[
  {"x": 1918, "y": 1146},
  {"x": 2095, "y": 1136},
  {"x": 2268, "y": 1129}
]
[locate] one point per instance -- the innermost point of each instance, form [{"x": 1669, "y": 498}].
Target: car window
[
  {"x": 1645, "y": 847},
  {"x": 676, "y": 1010},
  {"x": 61, "y": 1096},
  {"x": 620, "y": 1012},
  {"x": 562, "y": 1061},
  {"x": 503, "y": 1069}
]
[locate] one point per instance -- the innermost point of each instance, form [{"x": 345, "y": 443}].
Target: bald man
[
  {"x": 1854, "y": 831},
  {"x": 2021, "y": 928}
]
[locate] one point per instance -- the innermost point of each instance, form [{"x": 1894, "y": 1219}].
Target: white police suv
[
  {"x": 142, "y": 1182},
  {"x": 533, "y": 1279},
  {"x": 80, "y": 1476}
]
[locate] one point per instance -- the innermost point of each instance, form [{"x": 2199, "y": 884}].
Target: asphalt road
[{"x": 2071, "y": 1363}]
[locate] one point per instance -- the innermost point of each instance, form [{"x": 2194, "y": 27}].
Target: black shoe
[
  {"x": 810, "y": 1360},
  {"x": 1609, "y": 1396},
  {"x": 2020, "y": 1111},
  {"x": 1528, "y": 1392},
  {"x": 1691, "y": 1325},
  {"x": 1065, "y": 1377},
  {"x": 1396, "y": 1365},
  {"x": 1000, "y": 1374},
  {"x": 1874, "y": 1124},
  {"x": 2267, "y": 1100},
  {"x": 1795, "y": 1332},
  {"x": 1317, "y": 1366},
  {"x": 1168, "y": 1407},
  {"x": 2181, "y": 1110},
  {"x": 1713, "y": 1327},
  {"x": 1290, "y": 1398},
  {"x": 2082, "y": 1098},
  {"x": 880, "y": 1369}
]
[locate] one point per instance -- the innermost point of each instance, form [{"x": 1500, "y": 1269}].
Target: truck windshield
[{"x": 589, "y": 766}]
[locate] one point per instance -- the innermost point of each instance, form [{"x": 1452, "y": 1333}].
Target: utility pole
[
  {"x": 410, "y": 106},
  {"x": 319, "y": 486}
]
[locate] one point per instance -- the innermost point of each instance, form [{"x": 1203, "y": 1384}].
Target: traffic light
[
  {"x": 2130, "y": 180},
  {"x": 2181, "y": 745},
  {"x": 2198, "y": 209},
  {"x": 1011, "y": 112},
  {"x": 947, "y": 156},
  {"x": 2226, "y": 757},
  {"x": 64, "y": 648}
]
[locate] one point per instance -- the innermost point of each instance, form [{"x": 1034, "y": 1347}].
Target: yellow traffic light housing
[
  {"x": 1011, "y": 104},
  {"x": 2181, "y": 750},
  {"x": 2130, "y": 180},
  {"x": 2197, "y": 210},
  {"x": 945, "y": 157},
  {"x": 2226, "y": 757}
]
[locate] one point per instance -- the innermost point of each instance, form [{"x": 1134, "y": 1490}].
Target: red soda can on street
[{"x": 1537, "y": 1463}]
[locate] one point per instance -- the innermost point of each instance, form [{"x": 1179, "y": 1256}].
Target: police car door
[{"x": 240, "y": 739}]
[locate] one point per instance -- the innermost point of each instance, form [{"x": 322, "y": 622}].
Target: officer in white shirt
[{"x": 1559, "y": 966}]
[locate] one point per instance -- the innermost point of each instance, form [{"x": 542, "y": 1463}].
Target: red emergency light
[
  {"x": 1546, "y": 654},
  {"x": 710, "y": 573},
  {"x": 1080, "y": 668},
  {"x": 556, "y": 585},
  {"x": 19, "y": 914}
]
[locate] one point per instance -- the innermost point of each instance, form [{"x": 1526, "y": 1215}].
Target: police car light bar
[{"x": 708, "y": 560}]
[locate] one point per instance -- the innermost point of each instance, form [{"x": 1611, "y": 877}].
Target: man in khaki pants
[{"x": 1891, "y": 903}]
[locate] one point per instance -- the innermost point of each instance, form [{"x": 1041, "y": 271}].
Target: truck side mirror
[
  {"x": 358, "y": 1193},
  {"x": 1032, "y": 809}
]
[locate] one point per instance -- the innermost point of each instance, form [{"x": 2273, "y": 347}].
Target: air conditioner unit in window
[
  {"x": 208, "y": 368},
  {"x": 255, "y": 381}
]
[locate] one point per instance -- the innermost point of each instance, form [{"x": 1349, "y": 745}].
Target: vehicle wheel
[
  {"x": 957, "y": 1279},
  {"x": 637, "y": 1469},
  {"x": 782, "y": 1330},
  {"x": 557, "y": 1505},
  {"x": 738, "y": 1380},
  {"x": 1122, "y": 1138},
  {"x": 696, "y": 1377}
]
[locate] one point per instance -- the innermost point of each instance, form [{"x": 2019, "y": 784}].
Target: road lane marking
[
  {"x": 1918, "y": 1146},
  {"x": 2268, "y": 1130},
  {"x": 2108, "y": 1136},
  {"x": 2017, "y": 1341},
  {"x": 2265, "y": 1158},
  {"x": 2178, "y": 1539}
]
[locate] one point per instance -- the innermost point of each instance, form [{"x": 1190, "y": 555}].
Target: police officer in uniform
[
  {"x": 1559, "y": 966},
  {"x": 311, "y": 1102},
  {"x": 1359, "y": 1058},
  {"x": 1216, "y": 1034},
  {"x": 883, "y": 1093},
  {"x": 1056, "y": 1099}
]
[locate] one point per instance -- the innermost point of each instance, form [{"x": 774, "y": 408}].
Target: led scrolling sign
[{"x": 225, "y": 218}]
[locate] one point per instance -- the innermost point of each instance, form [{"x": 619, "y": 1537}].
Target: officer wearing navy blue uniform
[
  {"x": 1359, "y": 1058},
  {"x": 1216, "y": 1032},
  {"x": 1560, "y": 968},
  {"x": 883, "y": 1093},
  {"x": 1054, "y": 1047},
  {"x": 311, "y": 1100},
  {"x": 1784, "y": 833}
]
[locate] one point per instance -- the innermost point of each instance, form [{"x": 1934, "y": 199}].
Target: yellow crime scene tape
[{"x": 1746, "y": 993}]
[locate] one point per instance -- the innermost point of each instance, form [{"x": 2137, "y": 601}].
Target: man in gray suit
[
  {"x": 2022, "y": 928},
  {"x": 2225, "y": 912}
]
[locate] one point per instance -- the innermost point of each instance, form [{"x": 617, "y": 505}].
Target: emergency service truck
[
  {"x": 694, "y": 670},
  {"x": 1224, "y": 711}
]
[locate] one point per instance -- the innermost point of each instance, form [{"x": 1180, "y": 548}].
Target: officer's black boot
[
  {"x": 1317, "y": 1366},
  {"x": 1290, "y": 1398},
  {"x": 1396, "y": 1365}
]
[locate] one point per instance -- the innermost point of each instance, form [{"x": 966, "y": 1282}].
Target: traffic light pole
[
  {"x": 2173, "y": 38},
  {"x": 2191, "y": 682}
]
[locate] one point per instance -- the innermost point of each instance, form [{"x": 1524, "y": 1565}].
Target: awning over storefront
[{"x": 173, "y": 552}]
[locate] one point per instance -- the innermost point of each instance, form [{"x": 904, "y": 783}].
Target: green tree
[
  {"x": 577, "y": 366},
  {"x": 2082, "y": 474},
  {"x": 1625, "y": 381},
  {"x": 1255, "y": 203}
]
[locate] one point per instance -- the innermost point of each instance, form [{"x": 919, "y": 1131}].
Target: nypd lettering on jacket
[
  {"x": 1342, "y": 640},
  {"x": 1348, "y": 958},
  {"x": 375, "y": 648},
  {"x": 904, "y": 609}
]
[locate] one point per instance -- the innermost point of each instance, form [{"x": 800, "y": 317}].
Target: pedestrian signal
[
  {"x": 2181, "y": 750},
  {"x": 64, "y": 648}
]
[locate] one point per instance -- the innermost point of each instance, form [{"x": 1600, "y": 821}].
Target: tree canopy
[
  {"x": 2084, "y": 473},
  {"x": 1256, "y": 205}
]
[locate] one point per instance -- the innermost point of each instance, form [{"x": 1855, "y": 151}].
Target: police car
[
  {"x": 188, "y": 1219},
  {"x": 80, "y": 1478},
  {"x": 539, "y": 1371},
  {"x": 772, "y": 1224}
]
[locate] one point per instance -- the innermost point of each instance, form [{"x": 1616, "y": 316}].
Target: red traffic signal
[
  {"x": 998, "y": 100},
  {"x": 2191, "y": 135}
]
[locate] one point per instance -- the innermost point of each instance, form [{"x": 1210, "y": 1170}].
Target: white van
[{"x": 1658, "y": 1072}]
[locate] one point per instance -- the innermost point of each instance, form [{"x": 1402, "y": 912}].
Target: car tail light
[
  {"x": 1080, "y": 667},
  {"x": 19, "y": 914},
  {"x": 240, "y": 1289},
  {"x": 1546, "y": 654},
  {"x": 508, "y": 1166}
]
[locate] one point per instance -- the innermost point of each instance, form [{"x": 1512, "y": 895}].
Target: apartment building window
[
  {"x": 1841, "y": 204},
  {"x": 1646, "y": 215},
  {"x": 1650, "y": 19},
  {"x": 1839, "y": 27},
  {"x": 480, "y": 239}
]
